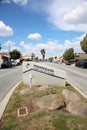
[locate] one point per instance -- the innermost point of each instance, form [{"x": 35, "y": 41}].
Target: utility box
[{"x": 35, "y": 74}]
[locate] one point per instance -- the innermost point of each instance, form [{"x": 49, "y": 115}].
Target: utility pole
[
  {"x": 0, "y": 47},
  {"x": 9, "y": 51},
  {"x": 9, "y": 54}
]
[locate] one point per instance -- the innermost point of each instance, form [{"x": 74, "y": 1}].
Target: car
[
  {"x": 77, "y": 63},
  {"x": 6, "y": 64},
  {"x": 67, "y": 62},
  {"x": 82, "y": 64},
  {"x": 14, "y": 63}
]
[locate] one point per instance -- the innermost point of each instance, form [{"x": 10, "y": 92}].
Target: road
[
  {"x": 77, "y": 76},
  {"x": 8, "y": 78}
]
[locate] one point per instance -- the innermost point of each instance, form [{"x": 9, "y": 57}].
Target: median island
[{"x": 45, "y": 107}]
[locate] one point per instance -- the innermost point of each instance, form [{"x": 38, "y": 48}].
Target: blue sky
[{"x": 32, "y": 25}]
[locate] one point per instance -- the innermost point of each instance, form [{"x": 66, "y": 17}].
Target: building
[
  {"x": 80, "y": 56},
  {"x": 26, "y": 57},
  {"x": 57, "y": 59},
  {"x": 83, "y": 56}
]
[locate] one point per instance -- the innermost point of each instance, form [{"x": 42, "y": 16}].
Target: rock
[
  {"x": 44, "y": 87},
  {"x": 69, "y": 96},
  {"x": 51, "y": 102},
  {"x": 78, "y": 108},
  {"x": 74, "y": 103}
]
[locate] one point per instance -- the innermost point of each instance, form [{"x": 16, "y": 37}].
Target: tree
[
  {"x": 32, "y": 56},
  {"x": 15, "y": 54},
  {"x": 83, "y": 44},
  {"x": 43, "y": 53},
  {"x": 68, "y": 54},
  {"x": 50, "y": 59}
]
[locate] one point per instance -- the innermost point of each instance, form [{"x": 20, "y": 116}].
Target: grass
[{"x": 38, "y": 119}]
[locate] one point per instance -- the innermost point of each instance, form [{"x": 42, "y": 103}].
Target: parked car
[
  {"x": 6, "y": 64},
  {"x": 77, "y": 63},
  {"x": 67, "y": 62},
  {"x": 14, "y": 63},
  {"x": 82, "y": 64}
]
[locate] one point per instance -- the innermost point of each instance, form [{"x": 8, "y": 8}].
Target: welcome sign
[
  {"x": 43, "y": 69},
  {"x": 39, "y": 74}
]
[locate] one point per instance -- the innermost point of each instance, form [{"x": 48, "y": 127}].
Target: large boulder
[
  {"x": 51, "y": 102},
  {"x": 74, "y": 103},
  {"x": 69, "y": 96},
  {"x": 77, "y": 108}
]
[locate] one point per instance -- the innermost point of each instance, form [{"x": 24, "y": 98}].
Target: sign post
[{"x": 30, "y": 80}]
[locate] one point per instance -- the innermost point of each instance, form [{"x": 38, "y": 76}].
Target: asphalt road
[
  {"x": 77, "y": 76},
  {"x": 8, "y": 78}
]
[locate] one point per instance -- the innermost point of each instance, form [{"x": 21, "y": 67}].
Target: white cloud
[
  {"x": 21, "y": 2},
  {"x": 64, "y": 14},
  {"x": 80, "y": 38},
  {"x": 75, "y": 43},
  {"x": 77, "y": 15},
  {"x": 53, "y": 48},
  {"x": 5, "y": 1},
  {"x": 5, "y": 30},
  {"x": 9, "y": 44},
  {"x": 68, "y": 15},
  {"x": 50, "y": 47},
  {"x": 34, "y": 36}
]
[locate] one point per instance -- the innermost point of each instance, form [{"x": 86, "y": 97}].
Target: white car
[{"x": 14, "y": 63}]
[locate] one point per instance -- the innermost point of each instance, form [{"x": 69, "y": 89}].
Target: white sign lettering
[{"x": 43, "y": 69}]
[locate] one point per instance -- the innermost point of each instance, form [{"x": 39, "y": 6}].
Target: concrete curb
[
  {"x": 5, "y": 100},
  {"x": 82, "y": 93}
]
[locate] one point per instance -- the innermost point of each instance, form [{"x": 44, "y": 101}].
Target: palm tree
[
  {"x": 43, "y": 53},
  {"x": 32, "y": 56}
]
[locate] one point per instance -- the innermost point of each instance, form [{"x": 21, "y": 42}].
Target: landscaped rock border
[
  {"x": 51, "y": 102},
  {"x": 72, "y": 102}
]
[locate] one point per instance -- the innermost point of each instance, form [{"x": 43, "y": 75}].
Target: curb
[
  {"x": 5, "y": 100},
  {"x": 82, "y": 93}
]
